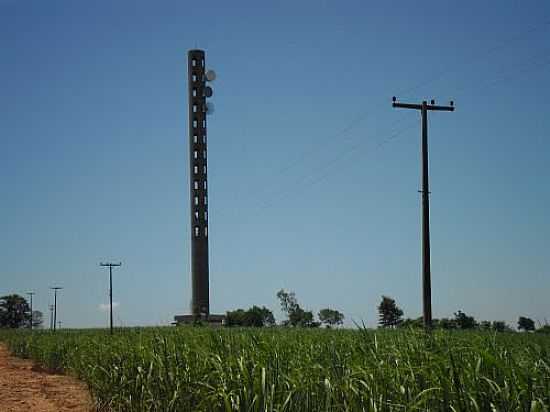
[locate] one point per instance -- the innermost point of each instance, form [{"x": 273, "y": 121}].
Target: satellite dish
[
  {"x": 209, "y": 108},
  {"x": 210, "y": 75},
  {"x": 208, "y": 91}
]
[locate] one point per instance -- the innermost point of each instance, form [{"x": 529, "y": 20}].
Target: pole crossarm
[
  {"x": 407, "y": 106},
  {"x": 433, "y": 106},
  {"x": 111, "y": 264}
]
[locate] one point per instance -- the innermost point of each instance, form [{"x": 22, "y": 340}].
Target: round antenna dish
[
  {"x": 210, "y": 75},
  {"x": 208, "y": 91},
  {"x": 209, "y": 108}
]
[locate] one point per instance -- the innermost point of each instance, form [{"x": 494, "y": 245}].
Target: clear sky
[{"x": 313, "y": 177}]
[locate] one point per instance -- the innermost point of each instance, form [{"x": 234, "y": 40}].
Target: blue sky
[{"x": 313, "y": 177}]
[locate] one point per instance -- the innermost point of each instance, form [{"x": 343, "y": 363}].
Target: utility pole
[
  {"x": 30, "y": 294},
  {"x": 51, "y": 317},
  {"x": 424, "y": 107},
  {"x": 111, "y": 265},
  {"x": 55, "y": 289}
]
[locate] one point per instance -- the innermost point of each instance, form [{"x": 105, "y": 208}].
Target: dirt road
[{"x": 24, "y": 388}]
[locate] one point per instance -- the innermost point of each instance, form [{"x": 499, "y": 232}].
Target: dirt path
[{"x": 24, "y": 388}]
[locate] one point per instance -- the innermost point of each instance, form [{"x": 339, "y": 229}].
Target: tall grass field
[{"x": 278, "y": 369}]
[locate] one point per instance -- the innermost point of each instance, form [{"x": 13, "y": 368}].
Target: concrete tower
[
  {"x": 200, "y": 303},
  {"x": 198, "y": 190}
]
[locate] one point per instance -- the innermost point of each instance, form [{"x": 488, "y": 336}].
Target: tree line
[
  {"x": 296, "y": 316},
  {"x": 391, "y": 316},
  {"x": 15, "y": 313}
]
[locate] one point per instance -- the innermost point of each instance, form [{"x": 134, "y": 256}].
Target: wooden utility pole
[
  {"x": 424, "y": 107},
  {"x": 31, "y": 294},
  {"x": 111, "y": 265},
  {"x": 51, "y": 317},
  {"x": 55, "y": 289}
]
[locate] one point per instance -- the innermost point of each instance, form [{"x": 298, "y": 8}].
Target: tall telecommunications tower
[{"x": 198, "y": 181}]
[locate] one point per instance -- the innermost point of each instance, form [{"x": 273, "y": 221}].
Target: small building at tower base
[{"x": 212, "y": 319}]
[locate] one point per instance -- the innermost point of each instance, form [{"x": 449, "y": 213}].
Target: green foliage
[
  {"x": 544, "y": 329},
  {"x": 461, "y": 321},
  {"x": 235, "y": 317},
  {"x": 447, "y": 324},
  {"x": 14, "y": 311},
  {"x": 253, "y": 317},
  {"x": 501, "y": 326},
  {"x": 331, "y": 317},
  {"x": 413, "y": 323},
  {"x": 526, "y": 324},
  {"x": 485, "y": 325},
  {"x": 283, "y": 369},
  {"x": 296, "y": 315},
  {"x": 443, "y": 323},
  {"x": 389, "y": 314},
  {"x": 464, "y": 321}
]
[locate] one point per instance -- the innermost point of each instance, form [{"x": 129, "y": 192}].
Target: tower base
[{"x": 214, "y": 320}]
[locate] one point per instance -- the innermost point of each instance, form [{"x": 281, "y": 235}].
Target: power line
[
  {"x": 533, "y": 63},
  {"x": 315, "y": 178},
  {"x": 404, "y": 91},
  {"x": 358, "y": 119},
  {"x": 469, "y": 61},
  {"x": 336, "y": 158}
]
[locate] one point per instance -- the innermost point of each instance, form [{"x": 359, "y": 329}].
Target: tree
[
  {"x": 259, "y": 317},
  {"x": 37, "y": 319},
  {"x": 235, "y": 317},
  {"x": 296, "y": 315},
  {"x": 526, "y": 324},
  {"x": 253, "y": 317},
  {"x": 501, "y": 326},
  {"x": 464, "y": 321},
  {"x": 485, "y": 325},
  {"x": 389, "y": 314},
  {"x": 331, "y": 317},
  {"x": 413, "y": 323},
  {"x": 288, "y": 301},
  {"x": 14, "y": 311},
  {"x": 303, "y": 318},
  {"x": 447, "y": 324}
]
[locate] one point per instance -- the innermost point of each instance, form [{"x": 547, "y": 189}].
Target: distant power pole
[
  {"x": 424, "y": 107},
  {"x": 30, "y": 294},
  {"x": 111, "y": 265},
  {"x": 55, "y": 289},
  {"x": 51, "y": 317}
]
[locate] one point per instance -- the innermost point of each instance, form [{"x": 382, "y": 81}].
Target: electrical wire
[{"x": 358, "y": 119}]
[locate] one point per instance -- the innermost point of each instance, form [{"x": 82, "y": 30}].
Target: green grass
[{"x": 203, "y": 369}]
